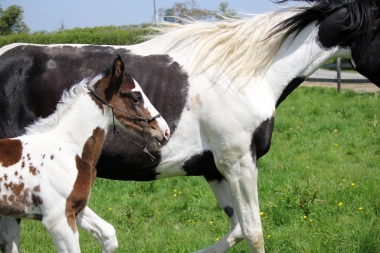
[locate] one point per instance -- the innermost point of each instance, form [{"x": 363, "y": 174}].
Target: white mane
[
  {"x": 44, "y": 125},
  {"x": 241, "y": 46}
]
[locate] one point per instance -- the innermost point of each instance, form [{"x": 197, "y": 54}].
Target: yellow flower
[
  {"x": 211, "y": 222},
  {"x": 307, "y": 167},
  {"x": 353, "y": 184},
  {"x": 217, "y": 239},
  {"x": 340, "y": 204},
  {"x": 304, "y": 216},
  {"x": 361, "y": 208},
  {"x": 261, "y": 213},
  {"x": 188, "y": 220},
  {"x": 268, "y": 236},
  {"x": 336, "y": 144},
  {"x": 110, "y": 209},
  {"x": 344, "y": 180},
  {"x": 335, "y": 130},
  {"x": 311, "y": 220},
  {"x": 175, "y": 190},
  {"x": 274, "y": 205},
  {"x": 175, "y": 195},
  {"x": 266, "y": 217}
]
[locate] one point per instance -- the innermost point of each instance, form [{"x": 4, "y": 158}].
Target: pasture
[{"x": 318, "y": 189}]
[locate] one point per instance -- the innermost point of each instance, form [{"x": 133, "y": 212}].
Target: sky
[{"x": 48, "y": 15}]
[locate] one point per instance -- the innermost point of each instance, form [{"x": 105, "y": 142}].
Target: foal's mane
[{"x": 44, "y": 125}]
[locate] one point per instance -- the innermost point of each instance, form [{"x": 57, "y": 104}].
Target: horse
[
  {"x": 220, "y": 85},
  {"x": 47, "y": 173}
]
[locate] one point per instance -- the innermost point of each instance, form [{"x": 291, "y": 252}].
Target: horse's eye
[{"x": 137, "y": 99}]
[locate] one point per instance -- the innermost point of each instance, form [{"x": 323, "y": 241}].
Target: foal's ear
[{"x": 118, "y": 70}]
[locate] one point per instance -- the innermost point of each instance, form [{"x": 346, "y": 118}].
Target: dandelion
[
  {"x": 361, "y": 208},
  {"x": 175, "y": 191},
  {"x": 189, "y": 221},
  {"x": 274, "y": 205},
  {"x": 307, "y": 167},
  {"x": 336, "y": 131},
  {"x": 311, "y": 220},
  {"x": 340, "y": 204},
  {"x": 174, "y": 195},
  {"x": 261, "y": 213},
  {"x": 211, "y": 222},
  {"x": 266, "y": 217},
  {"x": 344, "y": 180},
  {"x": 217, "y": 239},
  {"x": 336, "y": 144},
  {"x": 352, "y": 184},
  {"x": 304, "y": 216},
  {"x": 268, "y": 236},
  {"x": 110, "y": 209},
  {"x": 291, "y": 128}
]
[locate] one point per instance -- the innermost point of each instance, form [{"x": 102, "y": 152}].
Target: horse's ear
[{"x": 118, "y": 70}]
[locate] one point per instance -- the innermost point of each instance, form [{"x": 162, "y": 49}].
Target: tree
[
  {"x": 186, "y": 10},
  {"x": 11, "y": 20},
  {"x": 224, "y": 12}
]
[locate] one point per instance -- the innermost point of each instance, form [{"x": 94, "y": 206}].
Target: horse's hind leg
[
  {"x": 64, "y": 233},
  {"x": 103, "y": 231},
  {"x": 9, "y": 235},
  {"x": 222, "y": 194}
]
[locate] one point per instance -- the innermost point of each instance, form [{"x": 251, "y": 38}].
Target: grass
[{"x": 318, "y": 189}]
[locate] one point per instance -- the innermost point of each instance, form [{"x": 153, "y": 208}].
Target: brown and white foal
[{"x": 48, "y": 173}]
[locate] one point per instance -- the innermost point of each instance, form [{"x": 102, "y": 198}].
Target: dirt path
[{"x": 360, "y": 88}]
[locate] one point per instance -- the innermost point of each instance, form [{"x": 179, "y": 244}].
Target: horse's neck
[
  {"x": 77, "y": 124},
  {"x": 300, "y": 57}
]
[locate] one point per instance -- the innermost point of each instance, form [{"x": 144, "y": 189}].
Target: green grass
[{"x": 318, "y": 189}]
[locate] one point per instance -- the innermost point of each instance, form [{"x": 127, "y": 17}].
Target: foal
[{"x": 47, "y": 174}]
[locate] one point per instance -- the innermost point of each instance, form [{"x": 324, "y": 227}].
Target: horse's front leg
[
  {"x": 241, "y": 176},
  {"x": 103, "y": 231},
  {"x": 234, "y": 235},
  {"x": 9, "y": 235}
]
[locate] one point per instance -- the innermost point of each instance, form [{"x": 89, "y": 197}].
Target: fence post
[{"x": 338, "y": 72}]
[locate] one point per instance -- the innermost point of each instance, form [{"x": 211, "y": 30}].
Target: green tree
[
  {"x": 191, "y": 9},
  {"x": 224, "y": 12},
  {"x": 11, "y": 21}
]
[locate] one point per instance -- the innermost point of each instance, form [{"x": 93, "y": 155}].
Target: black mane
[{"x": 359, "y": 20}]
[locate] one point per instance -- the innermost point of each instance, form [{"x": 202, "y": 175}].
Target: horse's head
[
  {"x": 356, "y": 25},
  {"x": 131, "y": 107}
]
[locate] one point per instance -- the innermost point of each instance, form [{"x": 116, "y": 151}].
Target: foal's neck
[{"x": 78, "y": 123}]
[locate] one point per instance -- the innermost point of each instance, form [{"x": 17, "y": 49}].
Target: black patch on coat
[
  {"x": 289, "y": 89},
  {"x": 229, "y": 211},
  {"x": 34, "y": 77},
  {"x": 202, "y": 165},
  {"x": 261, "y": 139}
]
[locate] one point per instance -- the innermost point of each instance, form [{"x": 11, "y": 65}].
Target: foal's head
[{"x": 131, "y": 106}]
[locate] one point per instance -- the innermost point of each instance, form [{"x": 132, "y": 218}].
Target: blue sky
[{"x": 49, "y": 14}]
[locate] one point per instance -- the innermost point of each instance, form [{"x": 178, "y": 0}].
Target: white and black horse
[{"x": 218, "y": 86}]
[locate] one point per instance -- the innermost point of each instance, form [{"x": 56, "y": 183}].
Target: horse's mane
[
  {"x": 246, "y": 47},
  {"x": 44, "y": 125},
  {"x": 239, "y": 45},
  {"x": 359, "y": 19}
]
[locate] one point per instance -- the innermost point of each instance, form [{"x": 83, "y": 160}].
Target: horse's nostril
[{"x": 167, "y": 134}]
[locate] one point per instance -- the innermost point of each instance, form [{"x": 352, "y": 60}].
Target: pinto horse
[
  {"x": 239, "y": 70},
  {"x": 48, "y": 172}
]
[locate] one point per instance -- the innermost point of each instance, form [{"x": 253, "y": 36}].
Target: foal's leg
[
  {"x": 222, "y": 195},
  {"x": 9, "y": 235},
  {"x": 103, "y": 231},
  {"x": 241, "y": 175},
  {"x": 65, "y": 236}
]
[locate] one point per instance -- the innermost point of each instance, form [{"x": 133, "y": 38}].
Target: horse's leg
[
  {"x": 241, "y": 175},
  {"x": 103, "y": 231},
  {"x": 222, "y": 194},
  {"x": 9, "y": 235},
  {"x": 63, "y": 232}
]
